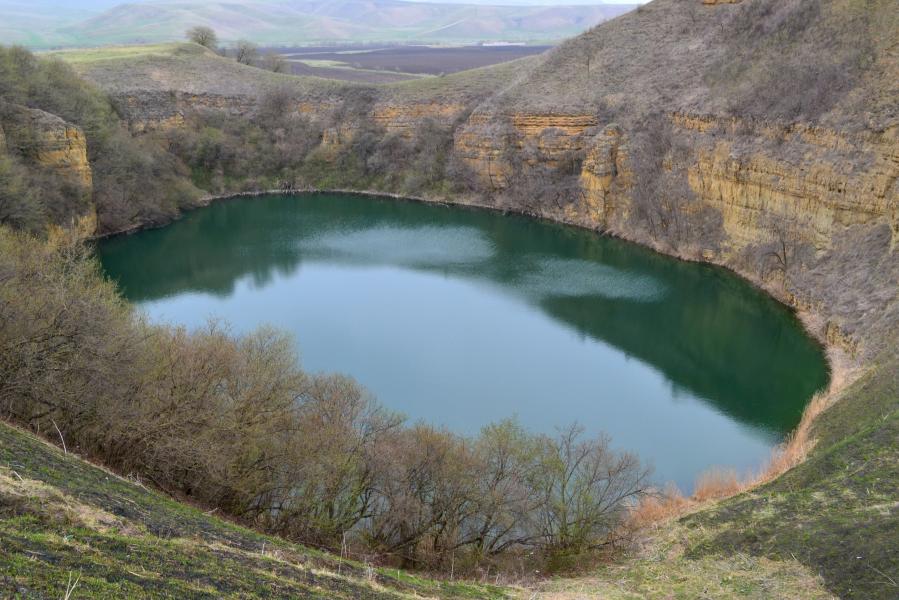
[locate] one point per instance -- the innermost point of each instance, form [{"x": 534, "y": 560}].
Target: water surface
[{"x": 461, "y": 317}]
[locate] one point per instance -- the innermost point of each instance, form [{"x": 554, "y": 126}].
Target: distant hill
[{"x": 47, "y": 23}]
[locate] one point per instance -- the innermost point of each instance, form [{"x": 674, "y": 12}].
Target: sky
[{"x": 534, "y": 2}]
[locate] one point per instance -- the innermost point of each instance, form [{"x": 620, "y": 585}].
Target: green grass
[
  {"x": 62, "y": 518},
  {"x": 838, "y": 512},
  {"x": 91, "y": 55},
  {"x": 661, "y": 570}
]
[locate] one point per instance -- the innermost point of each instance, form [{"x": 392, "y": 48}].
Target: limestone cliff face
[
  {"x": 46, "y": 141},
  {"x": 62, "y": 147},
  {"x": 605, "y": 169},
  {"x": 404, "y": 119},
  {"x": 818, "y": 180},
  {"x": 494, "y": 146},
  {"x": 146, "y": 111},
  {"x": 813, "y": 179},
  {"x": 59, "y": 145}
]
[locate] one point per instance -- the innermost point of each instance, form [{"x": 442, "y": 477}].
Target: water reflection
[{"x": 462, "y": 316}]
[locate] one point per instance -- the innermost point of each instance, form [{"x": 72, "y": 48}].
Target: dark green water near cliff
[{"x": 461, "y": 317}]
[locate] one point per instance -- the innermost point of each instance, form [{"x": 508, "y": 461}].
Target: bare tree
[
  {"x": 205, "y": 36},
  {"x": 275, "y": 63},
  {"x": 786, "y": 246},
  {"x": 246, "y": 52},
  {"x": 584, "y": 489}
]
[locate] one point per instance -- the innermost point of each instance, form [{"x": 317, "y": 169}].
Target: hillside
[
  {"x": 64, "y": 521},
  {"x": 273, "y": 22},
  {"x": 761, "y": 135}
]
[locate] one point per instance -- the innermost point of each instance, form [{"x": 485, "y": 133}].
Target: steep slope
[{"x": 65, "y": 522}]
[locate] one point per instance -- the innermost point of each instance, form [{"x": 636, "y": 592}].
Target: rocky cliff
[
  {"x": 51, "y": 142},
  {"x": 711, "y": 130},
  {"x": 62, "y": 147},
  {"x": 49, "y": 145}
]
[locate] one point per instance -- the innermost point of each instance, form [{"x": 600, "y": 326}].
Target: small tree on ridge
[{"x": 205, "y": 36}]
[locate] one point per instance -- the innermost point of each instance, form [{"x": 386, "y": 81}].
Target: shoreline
[{"x": 842, "y": 367}]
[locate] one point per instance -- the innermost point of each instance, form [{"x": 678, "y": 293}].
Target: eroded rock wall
[
  {"x": 47, "y": 143},
  {"x": 58, "y": 145},
  {"x": 813, "y": 179}
]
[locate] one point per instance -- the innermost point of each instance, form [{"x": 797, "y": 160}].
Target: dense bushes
[
  {"x": 225, "y": 153},
  {"x": 233, "y": 423},
  {"x": 19, "y": 207},
  {"x": 277, "y": 147},
  {"x": 135, "y": 181}
]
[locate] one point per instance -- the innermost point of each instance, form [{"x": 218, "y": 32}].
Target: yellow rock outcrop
[
  {"x": 58, "y": 145},
  {"x": 404, "y": 119},
  {"x": 485, "y": 141},
  {"x": 815, "y": 178}
]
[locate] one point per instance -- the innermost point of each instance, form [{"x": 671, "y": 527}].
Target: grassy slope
[
  {"x": 190, "y": 68},
  {"x": 182, "y": 67},
  {"x": 838, "y": 511},
  {"x": 60, "y": 516}
]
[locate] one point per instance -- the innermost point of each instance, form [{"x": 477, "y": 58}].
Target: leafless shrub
[
  {"x": 274, "y": 63},
  {"x": 664, "y": 206},
  {"x": 233, "y": 423},
  {"x": 787, "y": 249},
  {"x": 205, "y": 36},
  {"x": 246, "y": 52}
]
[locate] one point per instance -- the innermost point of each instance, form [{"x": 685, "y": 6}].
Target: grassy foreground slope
[
  {"x": 839, "y": 510},
  {"x": 828, "y": 526},
  {"x": 62, "y": 519}
]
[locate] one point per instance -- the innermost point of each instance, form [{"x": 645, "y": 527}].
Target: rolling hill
[{"x": 294, "y": 22}]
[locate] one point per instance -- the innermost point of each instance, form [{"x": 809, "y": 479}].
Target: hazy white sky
[{"x": 535, "y": 2}]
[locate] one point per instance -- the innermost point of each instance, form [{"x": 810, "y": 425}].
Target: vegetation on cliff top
[{"x": 134, "y": 180}]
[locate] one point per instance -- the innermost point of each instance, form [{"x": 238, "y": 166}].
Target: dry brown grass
[
  {"x": 720, "y": 483},
  {"x": 659, "y": 508},
  {"x": 24, "y": 495},
  {"x": 717, "y": 483},
  {"x": 797, "y": 446}
]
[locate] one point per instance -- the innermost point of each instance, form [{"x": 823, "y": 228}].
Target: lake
[{"x": 460, "y": 317}]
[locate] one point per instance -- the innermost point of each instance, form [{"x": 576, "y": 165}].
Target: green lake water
[{"x": 462, "y": 317}]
